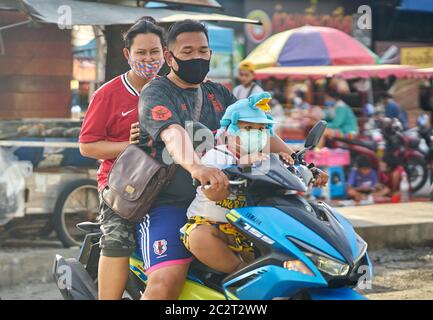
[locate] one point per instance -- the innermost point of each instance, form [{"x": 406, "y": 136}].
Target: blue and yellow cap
[{"x": 255, "y": 109}]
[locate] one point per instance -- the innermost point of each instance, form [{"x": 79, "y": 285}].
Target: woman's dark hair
[
  {"x": 143, "y": 26},
  {"x": 187, "y": 25}
]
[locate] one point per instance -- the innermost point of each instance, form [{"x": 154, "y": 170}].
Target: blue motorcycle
[{"x": 303, "y": 249}]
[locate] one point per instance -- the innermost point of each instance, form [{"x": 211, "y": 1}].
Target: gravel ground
[
  {"x": 32, "y": 291},
  {"x": 402, "y": 274},
  {"x": 399, "y": 275}
]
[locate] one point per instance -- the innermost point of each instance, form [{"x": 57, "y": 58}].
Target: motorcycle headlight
[{"x": 331, "y": 267}]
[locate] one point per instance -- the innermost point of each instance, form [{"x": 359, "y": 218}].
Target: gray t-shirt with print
[{"x": 162, "y": 104}]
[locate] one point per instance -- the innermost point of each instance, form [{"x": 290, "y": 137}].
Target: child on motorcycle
[{"x": 245, "y": 129}]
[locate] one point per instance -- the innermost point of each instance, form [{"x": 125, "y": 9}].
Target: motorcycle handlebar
[
  {"x": 299, "y": 160},
  {"x": 197, "y": 183}
]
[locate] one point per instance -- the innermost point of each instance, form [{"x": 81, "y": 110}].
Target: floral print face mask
[{"x": 145, "y": 70}]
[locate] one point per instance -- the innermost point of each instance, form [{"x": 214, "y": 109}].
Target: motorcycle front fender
[{"x": 335, "y": 294}]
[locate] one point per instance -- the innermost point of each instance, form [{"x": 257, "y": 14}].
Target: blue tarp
[
  {"x": 417, "y": 5},
  {"x": 86, "y": 51},
  {"x": 220, "y": 39}
]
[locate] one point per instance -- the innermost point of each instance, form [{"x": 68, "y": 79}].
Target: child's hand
[
  {"x": 321, "y": 178},
  {"x": 287, "y": 158}
]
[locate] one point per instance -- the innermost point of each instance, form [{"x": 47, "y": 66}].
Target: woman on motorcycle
[{"x": 109, "y": 126}]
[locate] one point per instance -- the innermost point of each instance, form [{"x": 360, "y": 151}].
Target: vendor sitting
[
  {"x": 390, "y": 174},
  {"x": 342, "y": 122},
  {"x": 363, "y": 183}
]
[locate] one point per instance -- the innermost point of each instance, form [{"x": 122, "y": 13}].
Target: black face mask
[{"x": 192, "y": 71}]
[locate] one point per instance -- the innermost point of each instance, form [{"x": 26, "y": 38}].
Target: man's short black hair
[
  {"x": 187, "y": 25},
  {"x": 363, "y": 162}
]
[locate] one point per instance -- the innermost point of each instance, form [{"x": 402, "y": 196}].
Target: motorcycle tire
[
  {"x": 416, "y": 163},
  {"x": 58, "y": 220}
]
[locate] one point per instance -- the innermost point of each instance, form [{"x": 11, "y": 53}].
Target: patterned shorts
[
  {"x": 240, "y": 242},
  {"x": 118, "y": 234}
]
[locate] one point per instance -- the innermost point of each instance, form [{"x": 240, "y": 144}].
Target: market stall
[
  {"x": 309, "y": 59},
  {"x": 343, "y": 71},
  {"x": 221, "y": 43},
  {"x": 311, "y": 46},
  {"x": 298, "y": 66}
]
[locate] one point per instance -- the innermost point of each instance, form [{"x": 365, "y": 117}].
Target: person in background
[
  {"x": 277, "y": 101},
  {"x": 363, "y": 182},
  {"x": 299, "y": 101},
  {"x": 390, "y": 174},
  {"x": 393, "y": 110},
  {"x": 342, "y": 122},
  {"x": 246, "y": 78}
]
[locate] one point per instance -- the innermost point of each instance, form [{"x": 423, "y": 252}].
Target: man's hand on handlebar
[
  {"x": 214, "y": 183},
  {"x": 210, "y": 176}
]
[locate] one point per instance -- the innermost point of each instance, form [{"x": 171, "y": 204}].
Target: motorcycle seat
[
  {"x": 196, "y": 265},
  {"x": 366, "y": 144},
  {"x": 89, "y": 227}
]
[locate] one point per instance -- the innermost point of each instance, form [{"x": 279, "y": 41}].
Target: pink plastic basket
[{"x": 328, "y": 157}]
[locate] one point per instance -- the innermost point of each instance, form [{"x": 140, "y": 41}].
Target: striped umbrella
[{"x": 311, "y": 46}]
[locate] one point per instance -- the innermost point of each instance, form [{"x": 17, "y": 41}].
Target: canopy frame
[
  {"x": 97, "y": 13},
  {"x": 345, "y": 72}
]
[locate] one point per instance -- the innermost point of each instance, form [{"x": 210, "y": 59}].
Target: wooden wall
[{"x": 35, "y": 70}]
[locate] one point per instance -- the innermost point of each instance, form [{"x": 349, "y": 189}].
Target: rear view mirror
[{"x": 315, "y": 134}]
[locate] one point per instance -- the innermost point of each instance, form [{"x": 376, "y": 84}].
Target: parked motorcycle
[
  {"x": 425, "y": 133},
  {"x": 400, "y": 145},
  {"x": 303, "y": 249}
]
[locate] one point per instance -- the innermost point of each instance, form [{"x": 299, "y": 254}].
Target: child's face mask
[{"x": 253, "y": 140}]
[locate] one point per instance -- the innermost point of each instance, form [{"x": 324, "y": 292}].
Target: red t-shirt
[{"x": 112, "y": 110}]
